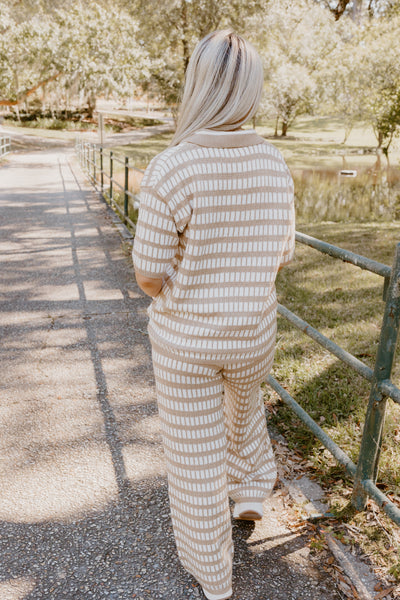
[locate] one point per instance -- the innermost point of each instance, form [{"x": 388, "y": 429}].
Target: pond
[{"x": 356, "y": 193}]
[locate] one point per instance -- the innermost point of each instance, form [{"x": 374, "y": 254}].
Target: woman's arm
[
  {"x": 155, "y": 244},
  {"x": 150, "y": 285}
]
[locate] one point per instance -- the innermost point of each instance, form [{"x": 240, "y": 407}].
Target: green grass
[
  {"x": 67, "y": 130},
  {"x": 312, "y": 143},
  {"x": 345, "y": 304},
  {"x": 317, "y": 143},
  {"x": 144, "y": 150},
  {"x": 44, "y": 133}
]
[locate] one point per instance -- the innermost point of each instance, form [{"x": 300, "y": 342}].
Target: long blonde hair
[{"x": 223, "y": 87}]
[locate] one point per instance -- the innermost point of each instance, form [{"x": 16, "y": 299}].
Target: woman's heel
[{"x": 248, "y": 511}]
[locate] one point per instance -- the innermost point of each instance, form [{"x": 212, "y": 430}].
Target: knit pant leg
[
  {"x": 189, "y": 400},
  {"x": 251, "y": 466}
]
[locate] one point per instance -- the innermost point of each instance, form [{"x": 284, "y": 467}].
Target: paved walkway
[{"x": 83, "y": 496}]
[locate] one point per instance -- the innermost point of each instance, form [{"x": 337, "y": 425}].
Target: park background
[{"x": 331, "y": 104}]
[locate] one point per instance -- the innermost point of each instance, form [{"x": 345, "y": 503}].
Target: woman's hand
[{"x": 150, "y": 285}]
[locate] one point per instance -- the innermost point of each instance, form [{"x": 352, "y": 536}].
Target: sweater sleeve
[{"x": 156, "y": 237}]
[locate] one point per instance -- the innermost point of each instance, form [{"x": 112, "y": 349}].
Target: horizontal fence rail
[
  {"x": 115, "y": 178},
  {"x": 92, "y": 159},
  {"x": 345, "y": 255},
  {"x": 5, "y": 145},
  {"x": 382, "y": 388}
]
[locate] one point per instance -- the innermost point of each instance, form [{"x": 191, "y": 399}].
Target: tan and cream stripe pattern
[
  {"x": 213, "y": 450},
  {"x": 216, "y": 220}
]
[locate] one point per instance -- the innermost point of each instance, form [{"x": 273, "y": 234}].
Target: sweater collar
[{"x": 213, "y": 138}]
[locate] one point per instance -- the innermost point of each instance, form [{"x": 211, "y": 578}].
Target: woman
[{"x": 216, "y": 223}]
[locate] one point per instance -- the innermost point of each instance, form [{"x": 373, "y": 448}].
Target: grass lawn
[
  {"x": 143, "y": 151},
  {"x": 345, "y": 304},
  {"x": 67, "y": 136},
  {"x": 68, "y": 131},
  {"x": 312, "y": 143},
  {"x": 316, "y": 143}
]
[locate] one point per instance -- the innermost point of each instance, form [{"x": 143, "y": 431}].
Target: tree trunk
[
  {"x": 285, "y": 126},
  {"x": 340, "y": 8},
  {"x": 23, "y": 95},
  {"x": 276, "y": 126},
  {"x": 43, "y": 98},
  {"x": 91, "y": 104},
  {"x": 347, "y": 130},
  {"x": 185, "y": 43}
]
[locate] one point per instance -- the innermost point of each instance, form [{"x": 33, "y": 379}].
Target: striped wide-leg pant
[{"x": 216, "y": 446}]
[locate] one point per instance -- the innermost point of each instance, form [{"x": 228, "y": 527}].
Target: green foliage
[
  {"x": 98, "y": 51},
  {"x": 294, "y": 39},
  {"x": 171, "y": 28},
  {"x": 92, "y": 50}
]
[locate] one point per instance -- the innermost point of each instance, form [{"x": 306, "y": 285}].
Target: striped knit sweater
[{"x": 216, "y": 219}]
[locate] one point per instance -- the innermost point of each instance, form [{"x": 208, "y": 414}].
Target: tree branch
[
  {"x": 21, "y": 97},
  {"x": 340, "y": 8}
]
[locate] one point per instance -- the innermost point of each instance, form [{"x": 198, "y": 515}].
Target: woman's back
[{"x": 229, "y": 195}]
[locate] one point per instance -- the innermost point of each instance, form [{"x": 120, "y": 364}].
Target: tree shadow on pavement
[{"x": 84, "y": 500}]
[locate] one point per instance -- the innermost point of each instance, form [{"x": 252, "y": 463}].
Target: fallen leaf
[{"x": 385, "y": 592}]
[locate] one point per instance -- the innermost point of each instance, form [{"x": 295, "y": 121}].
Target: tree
[
  {"x": 356, "y": 8},
  {"x": 362, "y": 80},
  {"x": 290, "y": 89},
  {"x": 90, "y": 49},
  {"x": 169, "y": 29},
  {"x": 27, "y": 55},
  {"x": 380, "y": 66},
  {"x": 343, "y": 78},
  {"x": 295, "y": 39},
  {"x": 99, "y": 53}
]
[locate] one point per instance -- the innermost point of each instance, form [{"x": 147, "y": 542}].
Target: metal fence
[
  {"x": 113, "y": 176},
  {"x": 5, "y": 145},
  {"x": 382, "y": 388}
]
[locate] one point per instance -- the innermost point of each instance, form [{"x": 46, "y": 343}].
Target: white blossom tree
[
  {"x": 28, "y": 55},
  {"x": 295, "y": 38},
  {"x": 86, "y": 46}
]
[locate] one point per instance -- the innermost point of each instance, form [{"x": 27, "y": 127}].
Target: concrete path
[{"x": 83, "y": 497}]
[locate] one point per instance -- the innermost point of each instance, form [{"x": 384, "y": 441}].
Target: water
[{"x": 327, "y": 195}]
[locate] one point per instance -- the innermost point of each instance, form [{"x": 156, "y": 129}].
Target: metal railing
[
  {"x": 5, "y": 145},
  {"x": 365, "y": 472},
  {"x": 111, "y": 175},
  {"x": 382, "y": 388}
]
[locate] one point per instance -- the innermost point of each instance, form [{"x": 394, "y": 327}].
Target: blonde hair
[{"x": 223, "y": 87}]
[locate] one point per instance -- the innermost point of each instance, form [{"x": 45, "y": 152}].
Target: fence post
[
  {"x": 368, "y": 461},
  {"x": 101, "y": 170},
  {"x": 111, "y": 176},
  {"x": 126, "y": 198},
  {"x": 87, "y": 159},
  {"x": 94, "y": 164}
]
